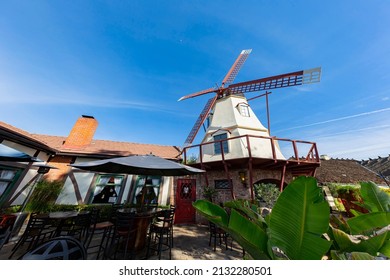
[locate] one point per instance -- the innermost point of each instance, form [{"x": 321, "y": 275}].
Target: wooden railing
[{"x": 295, "y": 146}]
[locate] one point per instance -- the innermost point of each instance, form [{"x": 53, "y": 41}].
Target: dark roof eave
[
  {"x": 18, "y": 138},
  {"x": 101, "y": 155}
]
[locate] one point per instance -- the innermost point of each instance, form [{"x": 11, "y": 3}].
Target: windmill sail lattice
[{"x": 203, "y": 115}]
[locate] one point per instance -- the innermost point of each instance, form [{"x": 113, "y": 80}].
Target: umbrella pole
[{"x": 143, "y": 193}]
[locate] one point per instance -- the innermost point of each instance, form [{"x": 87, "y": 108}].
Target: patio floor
[{"x": 191, "y": 242}]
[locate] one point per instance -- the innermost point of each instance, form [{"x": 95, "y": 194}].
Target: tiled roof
[
  {"x": 8, "y": 131},
  {"x": 380, "y": 165},
  {"x": 112, "y": 148},
  {"x": 101, "y": 148},
  {"x": 345, "y": 171}
]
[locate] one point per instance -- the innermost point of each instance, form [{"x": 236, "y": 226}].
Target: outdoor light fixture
[{"x": 242, "y": 175}]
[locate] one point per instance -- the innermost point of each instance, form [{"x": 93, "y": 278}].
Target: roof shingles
[{"x": 112, "y": 148}]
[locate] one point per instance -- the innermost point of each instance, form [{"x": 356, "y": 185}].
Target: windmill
[{"x": 228, "y": 88}]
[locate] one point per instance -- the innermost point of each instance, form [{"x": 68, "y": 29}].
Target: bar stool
[
  {"x": 161, "y": 233},
  {"x": 98, "y": 228},
  {"x": 123, "y": 239}
]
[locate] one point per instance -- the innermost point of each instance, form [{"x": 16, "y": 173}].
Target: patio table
[
  {"x": 60, "y": 218},
  {"x": 142, "y": 222}
]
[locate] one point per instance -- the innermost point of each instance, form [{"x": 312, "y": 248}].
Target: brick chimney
[{"x": 82, "y": 133}]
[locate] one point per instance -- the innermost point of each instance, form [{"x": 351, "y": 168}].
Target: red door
[{"x": 185, "y": 195}]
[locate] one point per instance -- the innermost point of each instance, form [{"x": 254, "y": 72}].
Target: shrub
[
  {"x": 44, "y": 196},
  {"x": 266, "y": 193}
]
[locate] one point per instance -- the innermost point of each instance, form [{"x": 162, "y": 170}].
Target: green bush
[
  {"x": 266, "y": 193},
  {"x": 44, "y": 196}
]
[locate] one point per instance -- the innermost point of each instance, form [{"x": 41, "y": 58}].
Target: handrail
[{"x": 311, "y": 156}]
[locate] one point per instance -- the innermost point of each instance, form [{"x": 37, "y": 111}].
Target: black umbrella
[
  {"x": 9, "y": 154},
  {"x": 139, "y": 165}
]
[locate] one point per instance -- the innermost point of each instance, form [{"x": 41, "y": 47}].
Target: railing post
[
  {"x": 273, "y": 148},
  {"x": 295, "y": 150},
  {"x": 250, "y": 167}
]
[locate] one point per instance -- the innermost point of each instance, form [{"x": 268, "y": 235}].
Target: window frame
[
  {"x": 223, "y": 184},
  {"x": 118, "y": 187},
  {"x": 217, "y": 145},
  {"x": 243, "y": 109},
  {"x": 10, "y": 182}
]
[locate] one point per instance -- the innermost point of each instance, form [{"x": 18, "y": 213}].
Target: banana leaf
[
  {"x": 299, "y": 219},
  {"x": 359, "y": 243},
  {"x": 351, "y": 256},
  {"x": 212, "y": 212},
  {"x": 368, "y": 222},
  {"x": 249, "y": 235},
  {"x": 375, "y": 200},
  {"x": 248, "y": 210}
]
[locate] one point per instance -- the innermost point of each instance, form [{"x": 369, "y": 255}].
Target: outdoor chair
[
  {"x": 98, "y": 233},
  {"x": 217, "y": 233},
  {"x": 6, "y": 225},
  {"x": 161, "y": 233},
  {"x": 37, "y": 231},
  {"x": 58, "y": 248},
  {"x": 123, "y": 238},
  {"x": 76, "y": 226}
]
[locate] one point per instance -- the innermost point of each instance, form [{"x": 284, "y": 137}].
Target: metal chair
[
  {"x": 6, "y": 225},
  {"x": 217, "y": 232},
  {"x": 37, "y": 231},
  {"x": 123, "y": 239},
  {"x": 58, "y": 248},
  {"x": 161, "y": 233},
  {"x": 98, "y": 229}
]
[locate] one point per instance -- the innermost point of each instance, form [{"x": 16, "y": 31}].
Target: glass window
[
  {"x": 7, "y": 177},
  {"x": 217, "y": 145},
  {"x": 222, "y": 184},
  {"x": 107, "y": 189},
  {"x": 147, "y": 193},
  {"x": 244, "y": 110}
]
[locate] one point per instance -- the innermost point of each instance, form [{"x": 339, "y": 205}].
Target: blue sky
[{"x": 128, "y": 62}]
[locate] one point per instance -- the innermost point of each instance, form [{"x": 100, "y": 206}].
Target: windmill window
[
  {"x": 244, "y": 110},
  {"x": 217, "y": 145}
]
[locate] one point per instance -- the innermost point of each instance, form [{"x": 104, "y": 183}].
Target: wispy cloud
[{"x": 338, "y": 119}]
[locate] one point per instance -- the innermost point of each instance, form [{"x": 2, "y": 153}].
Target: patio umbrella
[
  {"x": 139, "y": 165},
  {"x": 9, "y": 154},
  {"x": 146, "y": 165}
]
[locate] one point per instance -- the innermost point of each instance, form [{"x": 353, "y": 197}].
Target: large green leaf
[
  {"x": 368, "y": 222},
  {"x": 374, "y": 198},
  {"x": 212, "y": 212},
  {"x": 359, "y": 243},
  {"x": 385, "y": 249},
  {"x": 249, "y": 235},
  {"x": 299, "y": 219},
  {"x": 248, "y": 209},
  {"x": 351, "y": 256},
  {"x": 246, "y": 232}
]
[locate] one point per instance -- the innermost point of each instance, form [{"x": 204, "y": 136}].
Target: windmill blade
[
  {"x": 202, "y": 117},
  {"x": 199, "y": 93},
  {"x": 285, "y": 80},
  {"x": 232, "y": 73}
]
